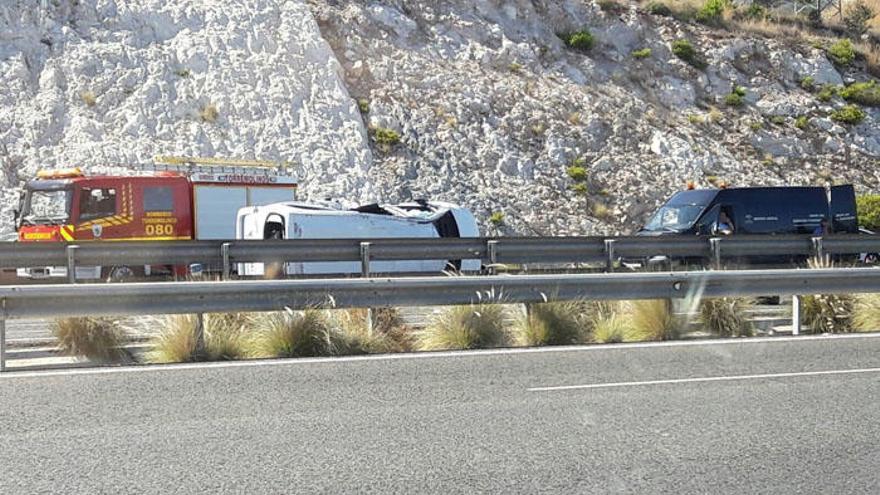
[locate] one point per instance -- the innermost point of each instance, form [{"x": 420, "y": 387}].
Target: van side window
[
  {"x": 96, "y": 203},
  {"x": 158, "y": 199}
]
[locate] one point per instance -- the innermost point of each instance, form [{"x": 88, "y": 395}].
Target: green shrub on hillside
[
  {"x": 496, "y": 218},
  {"x": 659, "y": 8},
  {"x": 577, "y": 173},
  {"x": 864, "y": 93},
  {"x": 868, "y": 208},
  {"x": 640, "y": 54},
  {"x": 842, "y": 52},
  {"x": 849, "y": 114},
  {"x": 736, "y": 98},
  {"x": 712, "y": 12},
  {"x": 826, "y": 93},
  {"x": 808, "y": 83},
  {"x": 756, "y": 12},
  {"x": 857, "y": 16},
  {"x": 802, "y": 122},
  {"x": 384, "y": 136},
  {"x": 684, "y": 50},
  {"x": 581, "y": 41}
]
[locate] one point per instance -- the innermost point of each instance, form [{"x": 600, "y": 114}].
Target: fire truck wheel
[{"x": 121, "y": 273}]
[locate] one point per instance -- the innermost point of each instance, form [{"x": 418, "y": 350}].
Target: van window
[
  {"x": 158, "y": 199},
  {"x": 96, "y": 203}
]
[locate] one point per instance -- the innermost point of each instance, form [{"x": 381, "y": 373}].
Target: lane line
[
  {"x": 704, "y": 379},
  {"x": 12, "y": 374}
]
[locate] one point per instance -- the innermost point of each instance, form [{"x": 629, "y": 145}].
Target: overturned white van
[{"x": 296, "y": 220}]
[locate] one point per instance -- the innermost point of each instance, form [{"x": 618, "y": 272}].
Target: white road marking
[
  {"x": 12, "y": 374},
  {"x": 703, "y": 379}
]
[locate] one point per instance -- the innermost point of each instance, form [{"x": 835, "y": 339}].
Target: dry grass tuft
[
  {"x": 553, "y": 323},
  {"x": 475, "y": 326},
  {"x": 224, "y": 335},
  {"x": 829, "y": 313},
  {"x": 89, "y": 98},
  {"x": 866, "y": 313},
  {"x": 293, "y": 334},
  {"x": 209, "y": 113},
  {"x": 653, "y": 319},
  {"x": 98, "y": 339},
  {"x": 612, "y": 329},
  {"x": 390, "y": 333},
  {"x": 725, "y": 316}
]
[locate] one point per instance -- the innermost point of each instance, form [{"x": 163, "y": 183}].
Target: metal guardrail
[
  {"x": 515, "y": 250},
  {"x": 208, "y": 297}
]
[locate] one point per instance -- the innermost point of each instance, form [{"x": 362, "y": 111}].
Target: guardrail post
[
  {"x": 2, "y": 335},
  {"x": 224, "y": 253},
  {"x": 365, "y": 272},
  {"x": 71, "y": 263},
  {"x": 609, "y": 255},
  {"x": 796, "y": 307},
  {"x": 492, "y": 248},
  {"x": 818, "y": 248},
  {"x": 715, "y": 248}
]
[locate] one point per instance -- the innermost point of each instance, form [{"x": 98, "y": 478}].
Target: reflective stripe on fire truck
[{"x": 66, "y": 232}]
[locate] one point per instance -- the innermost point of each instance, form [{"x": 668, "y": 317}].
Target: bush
[
  {"x": 641, "y": 54},
  {"x": 659, "y": 8},
  {"x": 612, "y": 329},
  {"x": 602, "y": 212},
  {"x": 385, "y": 137},
  {"x": 849, "y": 114},
  {"x": 808, "y": 83},
  {"x": 866, "y": 313},
  {"x": 293, "y": 334},
  {"x": 856, "y": 17},
  {"x": 712, "y": 12},
  {"x": 363, "y": 105},
  {"x": 684, "y": 50},
  {"x": 610, "y": 6},
  {"x": 802, "y": 122},
  {"x": 554, "y": 323},
  {"x": 756, "y": 125},
  {"x": 580, "y": 188},
  {"x": 577, "y": 173},
  {"x": 176, "y": 341},
  {"x": 826, "y": 93},
  {"x": 736, "y": 98},
  {"x": 756, "y": 12},
  {"x": 390, "y": 333},
  {"x": 828, "y": 313},
  {"x": 89, "y": 98},
  {"x": 581, "y": 41},
  {"x": 496, "y": 218},
  {"x": 842, "y": 52},
  {"x": 725, "y": 316},
  {"x": 209, "y": 113},
  {"x": 476, "y": 326},
  {"x": 864, "y": 93},
  {"x": 98, "y": 339},
  {"x": 868, "y": 208},
  {"x": 653, "y": 319}
]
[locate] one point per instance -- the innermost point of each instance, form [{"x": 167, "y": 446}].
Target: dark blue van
[{"x": 756, "y": 210}]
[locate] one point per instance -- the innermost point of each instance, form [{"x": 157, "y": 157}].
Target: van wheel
[
  {"x": 121, "y": 273},
  {"x": 872, "y": 259}
]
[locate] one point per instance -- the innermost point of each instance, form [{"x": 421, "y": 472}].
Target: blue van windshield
[{"x": 681, "y": 211}]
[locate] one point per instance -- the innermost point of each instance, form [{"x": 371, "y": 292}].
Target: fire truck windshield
[{"x": 51, "y": 206}]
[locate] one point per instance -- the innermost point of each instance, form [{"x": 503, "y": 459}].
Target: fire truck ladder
[{"x": 193, "y": 165}]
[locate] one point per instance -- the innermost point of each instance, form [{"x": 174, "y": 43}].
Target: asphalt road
[{"x": 753, "y": 416}]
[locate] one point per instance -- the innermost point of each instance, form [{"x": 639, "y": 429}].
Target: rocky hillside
[{"x": 474, "y": 101}]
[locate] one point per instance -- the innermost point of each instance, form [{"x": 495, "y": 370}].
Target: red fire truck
[{"x": 174, "y": 198}]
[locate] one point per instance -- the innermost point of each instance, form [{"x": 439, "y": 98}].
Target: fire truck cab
[{"x": 173, "y": 199}]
